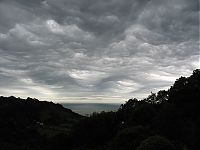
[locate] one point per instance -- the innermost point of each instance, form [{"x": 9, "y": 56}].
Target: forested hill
[
  {"x": 167, "y": 120},
  {"x": 28, "y": 123},
  {"x": 32, "y": 111}
]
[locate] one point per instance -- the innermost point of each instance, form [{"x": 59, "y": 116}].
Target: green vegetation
[{"x": 167, "y": 120}]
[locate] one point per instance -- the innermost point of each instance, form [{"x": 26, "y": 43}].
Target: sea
[{"x": 87, "y": 109}]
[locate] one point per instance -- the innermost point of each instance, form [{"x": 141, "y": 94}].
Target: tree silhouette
[{"x": 156, "y": 143}]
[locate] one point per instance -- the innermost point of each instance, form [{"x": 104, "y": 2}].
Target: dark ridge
[{"x": 30, "y": 123}]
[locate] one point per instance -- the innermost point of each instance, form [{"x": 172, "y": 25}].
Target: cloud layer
[{"x": 96, "y": 51}]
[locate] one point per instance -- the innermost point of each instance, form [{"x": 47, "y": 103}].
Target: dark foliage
[
  {"x": 156, "y": 143},
  {"x": 28, "y": 122}
]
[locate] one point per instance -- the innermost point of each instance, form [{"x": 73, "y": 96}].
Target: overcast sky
[{"x": 96, "y": 50}]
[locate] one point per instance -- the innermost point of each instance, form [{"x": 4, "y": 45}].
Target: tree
[
  {"x": 130, "y": 138},
  {"x": 151, "y": 98},
  {"x": 156, "y": 143},
  {"x": 162, "y": 96},
  {"x": 129, "y": 105}
]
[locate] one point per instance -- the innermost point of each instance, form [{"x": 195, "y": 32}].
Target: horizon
[{"x": 96, "y": 51}]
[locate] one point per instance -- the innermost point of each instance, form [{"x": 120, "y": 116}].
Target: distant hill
[{"x": 23, "y": 121}]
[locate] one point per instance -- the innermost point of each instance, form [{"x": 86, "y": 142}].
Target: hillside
[
  {"x": 167, "y": 120},
  {"x": 28, "y": 121}
]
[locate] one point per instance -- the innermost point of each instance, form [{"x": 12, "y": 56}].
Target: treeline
[{"x": 167, "y": 120}]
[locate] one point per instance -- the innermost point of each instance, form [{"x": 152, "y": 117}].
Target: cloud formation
[{"x": 102, "y": 51}]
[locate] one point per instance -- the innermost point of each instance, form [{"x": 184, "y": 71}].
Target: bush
[
  {"x": 130, "y": 138},
  {"x": 156, "y": 143}
]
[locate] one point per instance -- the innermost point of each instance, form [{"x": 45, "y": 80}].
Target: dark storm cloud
[{"x": 110, "y": 48}]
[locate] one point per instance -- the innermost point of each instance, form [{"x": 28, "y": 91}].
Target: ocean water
[{"x": 89, "y": 108}]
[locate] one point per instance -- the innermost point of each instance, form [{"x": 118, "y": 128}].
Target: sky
[{"x": 99, "y": 51}]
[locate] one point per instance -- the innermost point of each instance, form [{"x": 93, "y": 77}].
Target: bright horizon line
[{"x": 82, "y": 99}]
